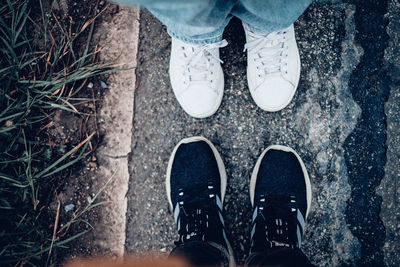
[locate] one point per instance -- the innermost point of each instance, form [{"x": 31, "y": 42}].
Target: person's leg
[
  {"x": 273, "y": 61},
  {"x": 195, "y": 70},
  {"x": 194, "y": 22},
  {"x": 280, "y": 257},
  {"x": 201, "y": 253},
  {"x": 196, "y": 183},
  {"x": 267, "y": 16},
  {"x": 280, "y": 193},
  {"x": 196, "y": 28}
]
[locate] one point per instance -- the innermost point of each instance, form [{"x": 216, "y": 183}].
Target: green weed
[{"x": 40, "y": 72}]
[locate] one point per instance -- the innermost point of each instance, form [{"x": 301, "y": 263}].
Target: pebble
[
  {"x": 103, "y": 85},
  {"x": 69, "y": 207}
]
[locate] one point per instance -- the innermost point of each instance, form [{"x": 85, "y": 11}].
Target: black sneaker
[
  {"x": 196, "y": 184},
  {"x": 280, "y": 193}
]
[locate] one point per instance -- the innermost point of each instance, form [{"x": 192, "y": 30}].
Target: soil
[{"x": 74, "y": 188}]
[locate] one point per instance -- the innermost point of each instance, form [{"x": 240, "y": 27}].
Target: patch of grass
[{"x": 40, "y": 72}]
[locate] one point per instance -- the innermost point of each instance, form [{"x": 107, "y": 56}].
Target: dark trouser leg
[
  {"x": 201, "y": 253},
  {"x": 279, "y": 257}
]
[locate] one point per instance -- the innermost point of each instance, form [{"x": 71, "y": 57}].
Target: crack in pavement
[
  {"x": 114, "y": 157},
  {"x": 365, "y": 148}
]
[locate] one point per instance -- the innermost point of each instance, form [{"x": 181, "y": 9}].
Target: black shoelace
[
  {"x": 275, "y": 223},
  {"x": 197, "y": 216}
]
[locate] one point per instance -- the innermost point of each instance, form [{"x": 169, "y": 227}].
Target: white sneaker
[
  {"x": 196, "y": 77},
  {"x": 273, "y": 67}
]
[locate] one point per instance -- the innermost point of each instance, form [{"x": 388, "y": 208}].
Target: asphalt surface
[{"x": 343, "y": 121}]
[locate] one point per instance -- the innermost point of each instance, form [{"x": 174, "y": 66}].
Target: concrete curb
[{"x": 118, "y": 37}]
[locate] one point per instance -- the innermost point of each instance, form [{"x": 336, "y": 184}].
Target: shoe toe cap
[
  {"x": 199, "y": 101},
  {"x": 274, "y": 94}
]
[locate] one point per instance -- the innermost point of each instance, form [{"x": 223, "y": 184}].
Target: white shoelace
[
  {"x": 198, "y": 65},
  {"x": 270, "y": 48}
]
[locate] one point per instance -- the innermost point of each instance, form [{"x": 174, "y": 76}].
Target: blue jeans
[{"x": 204, "y": 21}]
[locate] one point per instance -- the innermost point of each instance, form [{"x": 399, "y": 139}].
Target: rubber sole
[
  {"x": 222, "y": 172},
  {"x": 212, "y": 111},
  {"x": 253, "y": 179},
  {"x": 275, "y": 109}
]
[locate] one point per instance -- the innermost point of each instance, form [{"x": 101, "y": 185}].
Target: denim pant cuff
[
  {"x": 265, "y": 31},
  {"x": 210, "y": 38}
]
